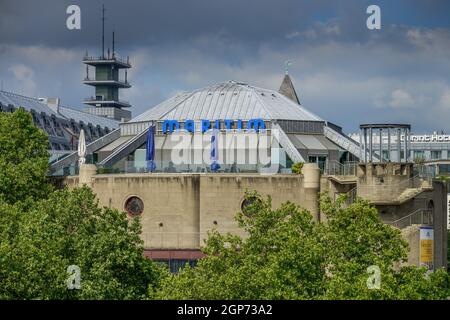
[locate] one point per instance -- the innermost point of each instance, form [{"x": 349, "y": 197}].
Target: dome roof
[{"x": 228, "y": 100}]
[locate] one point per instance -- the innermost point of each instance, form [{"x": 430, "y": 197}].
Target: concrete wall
[
  {"x": 439, "y": 197},
  {"x": 179, "y": 209},
  {"x": 411, "y": 235},
  {"x": 383, "y": 182}
]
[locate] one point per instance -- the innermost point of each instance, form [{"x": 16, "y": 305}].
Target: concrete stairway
[
  {"x": 410, "y": 193},
  {"x": 343, "y": 179},
  {"x": 93, "y": 146}
]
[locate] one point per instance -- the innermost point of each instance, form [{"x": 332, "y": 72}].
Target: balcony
[
  {"x": 113, "y": 83},
  {"x": 95, "y": 61},
  {"x": 93, "y": 101},
  {"x": 344, "y": 173}
]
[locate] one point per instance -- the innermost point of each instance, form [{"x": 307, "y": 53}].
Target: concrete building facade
[
  {"x": 180, "y": 203},
  {"x": 177, "y": 210}
]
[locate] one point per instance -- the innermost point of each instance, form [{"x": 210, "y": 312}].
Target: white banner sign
[{"x": 448, "y": 211}]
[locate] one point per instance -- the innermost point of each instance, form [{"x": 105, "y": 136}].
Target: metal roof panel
[{"x": 228, "y": 100}]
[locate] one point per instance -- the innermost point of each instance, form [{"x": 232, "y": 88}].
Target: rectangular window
[
  {"x": 320, "y": 160},
  {"x": 435, "y": 154},
  {"x": 418, "y": 155},
  {"x": 444, "y": 169},
  {"x": 312, "y": 159}
]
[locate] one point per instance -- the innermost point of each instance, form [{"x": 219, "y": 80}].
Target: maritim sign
[{"x": 192, "y": 126}]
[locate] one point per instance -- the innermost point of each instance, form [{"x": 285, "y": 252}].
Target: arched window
[
  {"x": 134, "y": 206},
  {"x": 247, "y": 203},
  {"x": 428, "y": 217}
]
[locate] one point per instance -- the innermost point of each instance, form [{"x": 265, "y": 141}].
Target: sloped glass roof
[
  {"x": 87, "y": 118},
  {"x": 28, "y": 103}
]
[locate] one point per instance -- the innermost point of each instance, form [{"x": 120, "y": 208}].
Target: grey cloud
[
  {"x": 342, "y": 71},
  {"x": 150, "y": 22}
]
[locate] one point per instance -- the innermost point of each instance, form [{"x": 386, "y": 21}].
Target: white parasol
[{"x": 82, "y": 148}]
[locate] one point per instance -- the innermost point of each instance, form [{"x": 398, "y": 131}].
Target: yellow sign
[{"x": 426, "y": 247}]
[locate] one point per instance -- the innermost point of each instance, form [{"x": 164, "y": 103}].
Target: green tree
[
  {"x": 288, "y": 255},
  {"x": 69, "y": 228},
  {"x": 359, "y": 239},
  {"x": 23, "y": 158},
  {"x": 297, "y": 167}
]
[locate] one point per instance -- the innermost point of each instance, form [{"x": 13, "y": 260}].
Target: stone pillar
[
  {"x": 87, "y": 171},
  {"x": 406, "y": 145},
  {"x": 411, "y": 235},
  {"x": 360, "y": 145},
  {"x": 311, "y": 183},
  {"x": 381, "y": 145},
  {"x": 389, "y": 145},
  {"x": 365, "y": 145}
]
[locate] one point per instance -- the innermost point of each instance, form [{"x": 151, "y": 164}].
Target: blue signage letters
[{"x": 169, "y": 126}]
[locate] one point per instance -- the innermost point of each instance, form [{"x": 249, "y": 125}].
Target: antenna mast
[
  {"x": 103, "y": 31},
  {"x": 113, "y": 45}
]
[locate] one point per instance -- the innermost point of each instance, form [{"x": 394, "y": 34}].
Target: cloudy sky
[{"x": 342, "y": 71}]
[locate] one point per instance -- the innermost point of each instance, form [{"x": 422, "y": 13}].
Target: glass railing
[
  {"x": 109, "y": 80},
  {"x": 94, "y": 99},
  {"x": 335, "y": 168},
  {"x": 114, "y": 58},
  {"x": 170, "y": 167},
  {"x": 72, "y": 169},
  {"x": 419, "y": 216}
]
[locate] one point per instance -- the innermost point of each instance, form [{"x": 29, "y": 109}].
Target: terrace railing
[
  {"x": 335, "y": 168},
  {"x": 420, "y": 216}
]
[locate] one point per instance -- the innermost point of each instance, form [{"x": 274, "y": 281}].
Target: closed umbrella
[
  {"x": 81, "y": 148},
  {"x": 150, "y": 152}
]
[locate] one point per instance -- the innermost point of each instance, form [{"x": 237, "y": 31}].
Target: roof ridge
[
  {"x": 89, "y": 114},
  {"x": 192, "y": 93},
  {"x": 262, "y": 104},
  {"x": 235, "y": 99},
  {"x": 300, "y": 106},
  {"x": 21, "y": 95}
]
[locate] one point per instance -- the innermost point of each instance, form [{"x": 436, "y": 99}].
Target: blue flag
[
  {"x": 150, "y": 152},
  {"x": 214, "y": 150}
]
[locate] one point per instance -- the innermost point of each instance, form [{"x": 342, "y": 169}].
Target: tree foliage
[
  {"x": 288, "y": 255},
  {"x": 297, "y": 167},
  {"x": 284, "y": 255},
  {"x": 69, "y": 228},
  {"x": 23, "y": 158}
]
